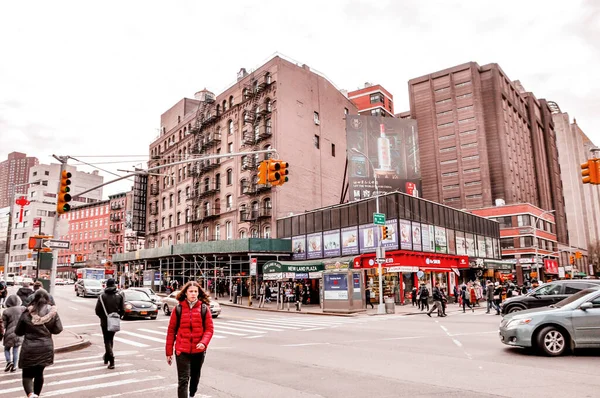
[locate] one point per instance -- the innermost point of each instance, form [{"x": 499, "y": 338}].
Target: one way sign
[{"x": 57, "y": 244}]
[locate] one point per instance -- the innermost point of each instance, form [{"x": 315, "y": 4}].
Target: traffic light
[
  {"x": 589, "y": 171},
  {"x": 385, "y": 233},
  {"x": 578, "y": 254},
  {"x": 262, "y": 172},
  {"x": 277, "y": 172},
  {"x": 571, "y": 259},
  {"x": 63, "y": 198}
]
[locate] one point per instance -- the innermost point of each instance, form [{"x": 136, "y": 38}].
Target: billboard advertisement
[
  {"x": 368, "y": 238},
  {"x": 331, "y": 243},
  {"x": 392, "y": 242},
  {"x": 384, "y": 148},
  {"x": 349, "y": 241},
  {"x": 315, "y": 245},
  {"x": 299, "y": 247},
  {"x": 405, "y": 235},
  {"x": 416, "y": 236}
]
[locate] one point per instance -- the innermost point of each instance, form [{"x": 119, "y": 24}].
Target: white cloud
[{"x": 92, "y": 78}]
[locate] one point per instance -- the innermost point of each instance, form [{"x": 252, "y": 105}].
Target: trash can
[
  {"x": 390, "y": 306},
  {"x": 45, "y": 284}
]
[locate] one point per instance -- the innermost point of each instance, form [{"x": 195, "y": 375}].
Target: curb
[
  {"x": 79, "y": 345},
  {"x": 287, "y": 312},
  {"x": 425, "y": 312}
]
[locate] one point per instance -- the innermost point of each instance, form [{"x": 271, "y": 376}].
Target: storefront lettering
[
  {"x": 432, "y": 261},
  {"x": 303, "y": 268}
]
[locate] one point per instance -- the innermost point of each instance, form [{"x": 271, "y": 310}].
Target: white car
[
  {"x": 59, "y": 281},
  {"x": 27, "y": 280}
]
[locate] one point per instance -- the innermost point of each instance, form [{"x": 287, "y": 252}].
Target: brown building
[
  {"x": 14, "y": 171},
  {"x": 373, "y": 100},
  {"x": 280, "y": 105},
  {"x": 118, "y": 203},
  {"x": 484, "y": 139}
]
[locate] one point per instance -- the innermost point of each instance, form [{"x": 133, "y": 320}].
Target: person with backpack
[
  {"x": 437, "y": 302},
  {"x": 190, "y": 331},
  {"x": 424, "y": 297},
  {"x": 109, "y": 302},
  {"x": 12, "y": 342}
]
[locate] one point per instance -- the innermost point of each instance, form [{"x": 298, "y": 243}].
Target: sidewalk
[{"x": 68, "y": 341}]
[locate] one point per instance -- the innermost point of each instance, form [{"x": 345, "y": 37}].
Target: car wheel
[
  {"x": 515, "y": 308},
  {"x": 153, "y": 317},
  {"x": 166, "y": 310},
  {"x": 215, "y": 316},
  {"x": 552, "y": 341},
  {"x": 77, "y": 293}
]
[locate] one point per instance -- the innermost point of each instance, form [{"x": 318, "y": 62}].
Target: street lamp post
[
  {"x": 380, "y": 254},
  {"x": 535, "y": 241}
]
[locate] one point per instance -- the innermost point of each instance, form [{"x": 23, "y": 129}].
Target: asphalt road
[{"x": 256, "y": 354}]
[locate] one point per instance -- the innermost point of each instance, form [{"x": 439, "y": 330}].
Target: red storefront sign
[
  {"x": 551, "y": 266},
  {"x": 422, "y": 260}
]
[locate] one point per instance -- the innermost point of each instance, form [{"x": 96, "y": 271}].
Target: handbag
[{"x": 113, "y": 320}]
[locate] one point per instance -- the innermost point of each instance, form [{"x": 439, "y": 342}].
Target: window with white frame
[{"x": 228, "y": 230}]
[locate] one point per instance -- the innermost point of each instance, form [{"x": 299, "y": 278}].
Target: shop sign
[
  {"x": 561, "y": 272},
  {"x": 412, "y": 259},
  {"x": 276, "y": 267},
  {"x": 253, "y": 267},
  {"x": 337, "y": 265},
  {"x": 591, "y": 269},
  {"x": 272, "y": 267},
  {"x": 335, "y": 286},
  {"x": 289, "y": 275},
  {"x": 301, "y": 275},
  {"x": 551, "y": 266},
  {"x": 402, "y": 269},
  {"x": 304, "y": 268},
  {"x": 273, "y": 277},
  {"x": 314, "y": 275}
]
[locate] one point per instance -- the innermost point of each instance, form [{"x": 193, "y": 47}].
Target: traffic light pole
[{"x": 55, "y": 232}]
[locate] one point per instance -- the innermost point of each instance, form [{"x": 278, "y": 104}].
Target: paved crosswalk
[
  {"x": 70, "y": 377},
  {"x": 151, "y": 335}
]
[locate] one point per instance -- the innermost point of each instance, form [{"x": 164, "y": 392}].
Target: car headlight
[
  {"x": 153, "y": 307},
  {"x": 128, "y": 306},
  {"x": 518, "y": 322}
]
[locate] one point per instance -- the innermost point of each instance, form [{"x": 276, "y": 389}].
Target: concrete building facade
[
  {"x": 486, "y": 141},
  {"x": 14, "y": 171},
  {"x": 279, "y": 105}
]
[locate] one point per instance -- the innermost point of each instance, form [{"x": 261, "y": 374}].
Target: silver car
[
  {"x": 153, "y": 297},
  {"x": 170, "y": 302},
  {"x": 571, "y": 323}
]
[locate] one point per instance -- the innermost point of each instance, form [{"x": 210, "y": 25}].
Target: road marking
[
  {"x": 244, "y": 324},
  {"x": 239, "y": 329},
  {"x": 473, "y": 333},
  {"x": 403, "y": 338},
  {"x": 458, "y": 343},
  {"x": 82, "y": 325},
  {"x": 70, "y": 372},
  {"x": 148, "y": 390},
  {"x": 233, "y": 333},
  {"x": 303, "y": 344},
  {"x": 142, "y": 336},
  {"x": 310, "y": 330},
  {"x": 125, "y": 341},
  {"x": 74, "y": 308},
  {"x": 153, "y": 331},
  {"x": 80, "y": 301},
  {"x": 444, "y": 329},
  {"x": 254, "y": 337},
  {"x": 265, "y": 323},
  {"x": 110, "y": 384}
]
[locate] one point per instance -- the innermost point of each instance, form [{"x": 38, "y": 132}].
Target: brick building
[
  {"x": 14, "y": 171},
  {"x": 373, "y": 100},
  {"x": 488, "y": 140},
  {"x": 118, "y": 205},
  {"x": 279, "y": 105}
]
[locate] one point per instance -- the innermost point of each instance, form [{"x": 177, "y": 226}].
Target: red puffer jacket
[{"x": 190, "y": 332}]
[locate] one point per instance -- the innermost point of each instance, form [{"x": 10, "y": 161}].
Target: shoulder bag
[{"x": 113, "y": 320}]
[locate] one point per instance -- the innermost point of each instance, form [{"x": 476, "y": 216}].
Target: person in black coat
[
  {"x": 12, "y": 342},
  {"x": 24, "y": 292},
  {"x": 37, "y": 324},
  {"x": 113, "y": 302}
]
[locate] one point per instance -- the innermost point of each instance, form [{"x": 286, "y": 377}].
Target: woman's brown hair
[{"x": 202, "y": 296}]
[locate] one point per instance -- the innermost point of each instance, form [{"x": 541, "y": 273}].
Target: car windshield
[
  {"x": 574, "y": 297},
  {"x": 92, "y": 282},
  {"x": 135, "y": 295}
]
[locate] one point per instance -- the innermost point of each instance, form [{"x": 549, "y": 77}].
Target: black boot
[
  {"x": 105, "y": 358},
  {"x": 111, "y": 364}
]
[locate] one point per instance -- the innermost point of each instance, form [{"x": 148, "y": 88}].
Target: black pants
[
  {"x": 424, "y": 303},
  {"x": 369, "y": 303},
  {"x": 109, "y": 338},
  {"x": 188, "y": 371},
  {"x": 33, "y": 379}
]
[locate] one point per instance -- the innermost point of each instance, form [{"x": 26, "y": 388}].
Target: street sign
[
  {"x": 57, "y": 244},
  {"x": 378, "y": 218},
  {"x": 253, "y": 267}
]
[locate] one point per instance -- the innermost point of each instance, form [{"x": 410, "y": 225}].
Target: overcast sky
[{"x": 86, "y": 78}]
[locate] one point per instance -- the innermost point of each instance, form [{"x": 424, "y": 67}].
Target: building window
[
  {"x": 316, "y": 118},
  {"x": 46, "y": 173},
  {"x": 317, "y": 141},
  {"x": 230, "y": 127},
  {"x": 268, "y": 126},
  {"x": 187, "y": 192},
  {"x": 229, "y": 176},
  {"x": 217, "y": 232},
  {"x": 269, "y": 105},
  {"x": 254, "y": 233},
  {"x": 242, "y": 234},
  {"x": 218, "y": 181},
  {"x": 228, "y": 202},
  {"x": 345, "y": 111},
  {"x": 231, "y": 102},
  {"x": 333, "y": 150},
  {"x": 377, "y": 97},
  {"x": 268, "y": 78},
  {"x": 524, "y": 220},
  {"x": 224, "y": 105},
  {"x": 228, "y": 230},
  {"x": 170, "y": 221},
  {"x": 164, "y": 203},
  {"x": 267, "y": 232},
  {"x": 170, "y": 201},
  {"x": 507, "y": 243},
  {"x": 230, "y": 147},
  {"x": 34, "y": 173},
  {"x": 178, "y": 218},
  {"x": 179, "y": 197}
]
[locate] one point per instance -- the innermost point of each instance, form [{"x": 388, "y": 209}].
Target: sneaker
[
  {"x": 13, "y": 368},
  {"x": 111, "y": 366},
  {"x": 429, "y": 315},
  {"x": 8, "y": 365},
  {"x": 32, "y": 395}
]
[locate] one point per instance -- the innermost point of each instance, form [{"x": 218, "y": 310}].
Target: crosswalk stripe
[
  {"x": 232, "y": 333},
  {"x": 102, "y": 385},
  {"x": 68, "y": 381},
  {"x": 302, "y": 323},
  {"x": 304, "y": 320},
  {"x": 246, "y": 324},
  {"x": 221, "y": 326},
  {"x": 70, "y": 372},
  {"x": 153, "y": 331},
  {"x": 125, "y": 341},
  {"x": 148, "y": 390},
  {"x": 259, "y": 323},
  {"x": 142, "y": 336}
]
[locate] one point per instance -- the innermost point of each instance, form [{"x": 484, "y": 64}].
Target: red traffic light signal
[
  {"x": 589, "y": 171},
  {"x": 63, "y": 198},
  {"x": 277, "y": 172},
  {"x": 263, "y": 172},
  {"x": 572, "y": 259}
]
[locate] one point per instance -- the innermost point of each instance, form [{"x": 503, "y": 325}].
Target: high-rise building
[
  {"x": 38, "y": 216},
  {"x": 373, "y": 100},
  {"x": 280, "y": 105},
  {"x": 14, "y": 172},
  {"x": 484, "y": 141},
  {"x": 4, "y": 223}
]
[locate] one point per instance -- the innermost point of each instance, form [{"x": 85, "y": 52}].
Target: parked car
[
  {"x": 27, "y": 279},
  {"x": 59, "y": 281},
  {"x": 88, "y": 287},
  {"x": 138, "y": 305},
  {"x": 571, "y": 323},
  {"x": 170, "y": 302},
  {"x": 69, "y": 281},
  {"x": 153, "y": 297},
  {"x": 547, "y": 294}
]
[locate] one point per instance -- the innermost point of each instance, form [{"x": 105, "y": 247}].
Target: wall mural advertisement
[
  {"x": 392, "y": 242},
  {"x": 416, "y": 236},
  {"x": 461, "y": 244},
  {"x": 299, "y": 247},
  {"x": 470, "y": 245},
  {"x": 369, "y": 237},
  {"x": 425, "y": 240},
  {"x": 451, "y": 242},
  {"x": 315, "y": 245},
  {"x": 405, "y": 235},
  {"x": 331, "y": 243},
  {"x": 349, "y": 241},
  {"x": 489, "y": 250},
  {"x": 440, "y": 240},
  {"x": 386, "y": 148}
]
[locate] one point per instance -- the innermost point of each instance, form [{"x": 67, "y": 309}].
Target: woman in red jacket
[{"x": 192, "y": 337}]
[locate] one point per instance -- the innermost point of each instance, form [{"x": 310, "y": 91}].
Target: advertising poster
[
  {"x": 392, "y": 147},
  {"x": 425, "y": 239},
  {"x": 349, "y": 241},
  {"x": 470, "y": 245},
  {"x": 335, "y": 286},
  {"x": 496, "y": 248},
  {"x": 299, "y": 247},
  {"x": 416, "y": 236},
  {"x": 451, "y": 242},
  {"x": 489, "y": 250},
  {"x": 331, "y": 243},
  {"x": 314, "y": 245},
  {"x": 441, "y": 246},
  {"x": 405, "y": 235},
  {"x": 431, "y": 238},
  {"x": 461, "y": 244},
  {"x": 368, "y": 237},
  {"x": 392, "y": 242},
  {"x": 480, "y": 246}
]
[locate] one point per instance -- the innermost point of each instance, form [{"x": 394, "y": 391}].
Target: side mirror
[{"x": 586, "y": 306}]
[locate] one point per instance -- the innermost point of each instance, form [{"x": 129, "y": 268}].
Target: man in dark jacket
[
  {"x": 24, "y": 292},
  {"x": 36, "y": 286},
  {"x": 113, "y": 302},
  {"x": 437, "y": 302}
]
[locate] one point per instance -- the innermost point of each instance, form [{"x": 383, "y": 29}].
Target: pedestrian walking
[
  {"x": 190, "y": 331},
  {"x": 437, "y": 302},
  {"x": 261, "y": 293},
  {"x": 497, "y": 297},
  {"x": 456, "y": 295},
  {"x": 472, "y": 296},
  {"x": 424, "y": 297},
  {"x": 413, "y": 296},
  {"x": 24, "y": 291},
  {"x": 298, "y": 294},
  {"x": 234, "y": 291},
  {"x": 12, "y": 342},
  {"x": 37, "y": 286},
  {"x": 444, "y": 301},
  {"x": 368, "y": 297},
  {"x": 489, "y": 296},
  {"x": 3, "y": 293},
  {"x": 465, "y": 296},
  {"x": 268, "y": 293},
  {"x": 109, "y": 302},
  {"x": 38, "y": 322}
]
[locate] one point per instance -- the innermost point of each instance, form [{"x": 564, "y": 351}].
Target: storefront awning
[{"x": 276, "y": 267}]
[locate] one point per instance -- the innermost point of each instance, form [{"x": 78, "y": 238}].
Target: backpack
[{"x": 178, "y": 314}]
